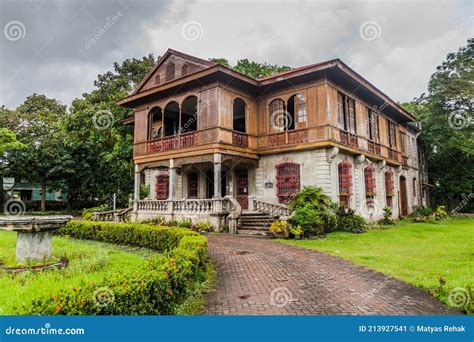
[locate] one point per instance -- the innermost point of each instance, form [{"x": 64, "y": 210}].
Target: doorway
[
  {"x": 403, "y": 197},
  {"x": 242, "y": 179}
]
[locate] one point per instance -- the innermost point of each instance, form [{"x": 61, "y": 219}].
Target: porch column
[
  {"x": 136, "y": 188},
  {"x": 172, "y": 180},
  {"x": 217, "y": 175}
]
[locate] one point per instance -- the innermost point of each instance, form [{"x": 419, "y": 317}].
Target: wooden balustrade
[
  {"x": 348, "y": 139},
  {"x": 374, "y": 147},
  {"x": 288, "y": 137},
  {"x": 172, "y": 143},
  {"x": 240, "y": 139}
]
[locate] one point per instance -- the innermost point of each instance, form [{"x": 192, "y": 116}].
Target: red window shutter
[
  {"x": 345, "y": 182},
  {"x": 288, "y": 181}
]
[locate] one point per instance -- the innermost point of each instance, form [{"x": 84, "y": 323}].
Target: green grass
[
  {"x": 416, "y": 253},
  {"x": 90, "y": 261}
]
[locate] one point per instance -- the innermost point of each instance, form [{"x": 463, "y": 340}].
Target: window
[
  {"x": 288, "y": 181},
  {"x": 389, "y": 188},
  {"x": 278, "y": 118},
  {"x": 370, "y": 185},
  {"x": 414, "y": 187},
  {"x": 238, "y": 115},
  {"x": 403, "y": 142},
  {"x": 372, "y": 125},
  {"x": 392, "y": 139},
  {"x": 189, "y": 115},
  {"x": 157, "y": 79},
  {"x": 345, "y": 183},
  {"x": 300, "y": 108},
  {"x": 162, "y": 187},
  {"x": 171, "y": 119},
  {"x": 155, "y": 123},
  {"x": 193, "y": 185},
  {"x": 346, "y": 113},
  {"x": 170, "y": 71},
  {"x": 184, "y": 69}
]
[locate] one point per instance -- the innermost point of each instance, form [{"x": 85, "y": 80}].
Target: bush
[
  {"x": 185, "y": 223},
  {"x": 156, "y": 290},
  {"x": 204, "y": 227},
  {"x": 133, "y": 234},
  {"x": 348, "y": 221},
  {"x": 310, "y": 195},
  {"x": 159, "y": 221},
  {"x": 309, "y": 219},
  {"x": 280, "y": 228},
  {"x": 427, "y": 214},
  {"x": 387, "y": 216}
]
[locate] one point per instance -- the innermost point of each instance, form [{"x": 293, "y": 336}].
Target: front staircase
[{"x": 255, "y": 223}]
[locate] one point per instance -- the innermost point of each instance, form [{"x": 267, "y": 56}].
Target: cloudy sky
[{"x": 57, "y": 47}]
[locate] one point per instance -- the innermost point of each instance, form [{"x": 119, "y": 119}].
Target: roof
[{"x": 215, "y": 67}]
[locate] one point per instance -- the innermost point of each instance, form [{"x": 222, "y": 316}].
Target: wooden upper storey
[{"x": 187, "y": 105}]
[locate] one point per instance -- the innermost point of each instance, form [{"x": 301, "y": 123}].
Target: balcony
[
  {"x": 288, "y": 137},
  {"x": 374, "y": 147},
  {"x": 172, "y": 143},
  {"x": 240, "y": 139},
  {"x": 394, "y": 155},
  {"x": 348, "y": 139}
]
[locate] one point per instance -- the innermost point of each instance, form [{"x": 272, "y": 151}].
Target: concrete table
[{"x": 34, "y": 235}]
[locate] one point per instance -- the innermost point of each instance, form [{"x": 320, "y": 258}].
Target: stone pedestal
[
  {"x": 34, "y": 235},
  {"x": 33, "y": 246}
]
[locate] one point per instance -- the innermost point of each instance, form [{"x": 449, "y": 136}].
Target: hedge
[
  {"x": 155, "y": 290},
  {"x": 159, "y": 238}
]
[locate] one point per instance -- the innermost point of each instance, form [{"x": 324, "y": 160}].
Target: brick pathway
[{"x": 261, "y": 277}]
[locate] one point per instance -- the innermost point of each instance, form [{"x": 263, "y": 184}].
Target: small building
[{"x": 212, "y": 143}]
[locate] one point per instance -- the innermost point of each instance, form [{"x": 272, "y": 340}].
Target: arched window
[
  {"x": 170, "y": 71},
  {"x": 278, "y": 119},
  {"x": 157, "y": 79},
  {"x": 155, "y": 123},
  {"x": 389, "y": 188},
  {"x": 370, "y": 185},
  {"x": 288, "y": 181},
  {"x": 297, "y": 111},
  {"x": 345, "y": 183},
  {"x": 162, "y": 187},
  {"x": 193, "y": 185},
  {"x": 171, "y": 119},
  {"x": 238, "y": 115},
  {"x": 184, "y": 69},
  {"x": 189, "y": 115}
]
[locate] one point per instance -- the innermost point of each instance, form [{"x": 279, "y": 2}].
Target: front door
[
  {"x": 403, "y": 197},
  {"x": 242, "y": 177}
]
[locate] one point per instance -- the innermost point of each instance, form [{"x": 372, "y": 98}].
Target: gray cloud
[{"x": 67, "y": 43}]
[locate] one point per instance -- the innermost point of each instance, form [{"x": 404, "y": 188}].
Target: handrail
[
  {"x": 271, "y": 208},
  {"x": 118, "y": 215}
]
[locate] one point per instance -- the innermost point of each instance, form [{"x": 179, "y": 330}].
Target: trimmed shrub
[
  {"x": 348, "y": 221},
  {"x": 157, "y": 289},
  {"x": 310, "y": 219},
  {"x": 133, "y": 234}
]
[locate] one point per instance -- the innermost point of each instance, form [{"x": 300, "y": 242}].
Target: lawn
[
  {"x": 416, "y": 253},
  {"x": 90, "y": 261}
]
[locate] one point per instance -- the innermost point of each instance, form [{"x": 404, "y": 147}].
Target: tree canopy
[
  {"x": 446, "y": 114},
  {"x": 253, "y": 69}
]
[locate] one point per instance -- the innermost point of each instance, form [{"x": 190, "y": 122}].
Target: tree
[
  {"x": 252, "y": 69},
  {"x": 99, "y": 152},
  {"x": 446, "y": 115}
]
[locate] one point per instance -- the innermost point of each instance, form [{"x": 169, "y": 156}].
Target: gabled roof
[
  {"x": 163, "y": 58},
  {"x": 333, "y": 64}
]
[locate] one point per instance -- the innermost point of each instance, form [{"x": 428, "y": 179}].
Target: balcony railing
[
  {"x": 348, "y": 139},
  {"x": 394, "y": 155},
  {"x": 374, "y": 147},
  {"x": 296, "y": 136},
  {"x": 172, "y": 143},
  {"x": 240, "y": 139}
]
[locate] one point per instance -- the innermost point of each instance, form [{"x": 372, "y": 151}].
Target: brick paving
[{"x": 261, "y": 277}]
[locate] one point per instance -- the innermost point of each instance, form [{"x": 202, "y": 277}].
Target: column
[
  {"x": 136, "y": 188},
  {"x": 172, "y": 180},
  {"x": 217, "y": 175}
]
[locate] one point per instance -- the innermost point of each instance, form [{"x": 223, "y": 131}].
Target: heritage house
[{"x": 213, "y": 144}]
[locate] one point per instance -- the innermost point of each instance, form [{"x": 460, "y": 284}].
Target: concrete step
[
  {"x": 253, "y": 232},
  {"x": 255, "y": 228}
]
